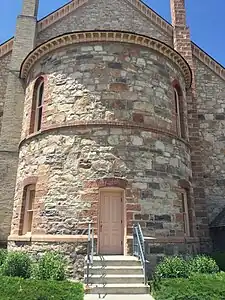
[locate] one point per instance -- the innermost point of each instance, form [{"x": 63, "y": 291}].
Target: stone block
[{"x": 163, "y": 218}]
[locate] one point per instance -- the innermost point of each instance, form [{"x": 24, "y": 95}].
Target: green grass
[{"x": 15, "y": 288}]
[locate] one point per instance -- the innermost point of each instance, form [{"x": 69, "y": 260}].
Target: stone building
[{"x": 109, "y": 115}]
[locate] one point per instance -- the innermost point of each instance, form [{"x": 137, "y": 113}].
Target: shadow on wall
[
  {"x": 218, "y": 238},
  {"x": 3, "y": 242}
]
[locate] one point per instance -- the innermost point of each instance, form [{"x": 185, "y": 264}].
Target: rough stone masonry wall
[
  {"x": 121, "y": 93},
  {"x": 108, "y": 15},
  {"x": 73, "y": 253},
  {"x": 211, "y": 109}
]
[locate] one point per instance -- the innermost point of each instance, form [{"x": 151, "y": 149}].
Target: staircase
[{"x": 116, "y": 275}]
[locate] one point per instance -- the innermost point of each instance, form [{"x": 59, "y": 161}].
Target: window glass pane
[
  {"x": 39, "y": 117},
  {"x": 40, "y": 94},
  {"x": 29, "y": 221},
  {"x": 31, "y": 199},
  {"x": 176, "y": 101},
  {"x": 183, "y": 202}
]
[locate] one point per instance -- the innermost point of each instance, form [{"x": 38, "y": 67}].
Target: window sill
[{"x": 22, "y": 238}]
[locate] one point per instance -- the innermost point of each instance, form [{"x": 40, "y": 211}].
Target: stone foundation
[{"x": 73, "y": 252}]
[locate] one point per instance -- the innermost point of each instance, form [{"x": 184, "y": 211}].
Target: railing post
[
  {"x": 139, "y": 247},
  {"x": 88, "y": 252},
  {"x": 92, "y": 245}
]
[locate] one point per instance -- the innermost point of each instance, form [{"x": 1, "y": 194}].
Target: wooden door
[{"x": 111, "y": 233}]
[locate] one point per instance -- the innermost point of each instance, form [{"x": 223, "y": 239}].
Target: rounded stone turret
[{"x": 109, "y": 121}]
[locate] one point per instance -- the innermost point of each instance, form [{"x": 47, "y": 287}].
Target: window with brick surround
[
  {"x": 185, "y": 211},
  {"x": 178, "y": 99},
  {"x": 37, "y": 105},
  {"x": 27, "y": 209}
]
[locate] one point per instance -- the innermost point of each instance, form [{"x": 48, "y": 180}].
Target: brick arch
[
  {"x": 184, "y": 184},
  {"x": 107, "y": 182}
]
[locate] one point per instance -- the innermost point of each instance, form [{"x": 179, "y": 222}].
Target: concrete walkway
[{"x": 118, "y": 297}]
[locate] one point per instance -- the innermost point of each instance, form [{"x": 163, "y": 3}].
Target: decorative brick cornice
[
  {"x": 208, "y": 61},
  {"x": 6, "y": 47},
  {"x": 106, "y": 36},
  {"x": 97, "y": 123},
  {"x": 59, "y": 14},
  {"x": 152, "y": 16}
]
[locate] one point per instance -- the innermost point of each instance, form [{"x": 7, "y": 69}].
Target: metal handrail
[
  {"x": 139, "y": 248},
  {"x": 90, "y": 250}
]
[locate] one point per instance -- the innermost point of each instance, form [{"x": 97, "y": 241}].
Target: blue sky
[{"x": 205, "y": 17}]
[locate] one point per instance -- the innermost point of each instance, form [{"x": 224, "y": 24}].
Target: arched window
[
  {"x": 26, "y": 218},
  {"x": 178, "y": 99},
  {"x": 186, "y": 212},
  {"x": 37, "y": 105}
]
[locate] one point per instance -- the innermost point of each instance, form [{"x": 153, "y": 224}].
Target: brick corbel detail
[{"x": 182, "y": 43}]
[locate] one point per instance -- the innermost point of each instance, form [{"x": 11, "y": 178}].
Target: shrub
[
  {"x": 203, "y": 264},
  {"x": 17, "y": 264},
  {"x": 197, "y": 287},
  {"x": 172, "y": 267},
  {"x": 50, "y": 266},
  {"x": 220, "y": 259},
  {"x": 3, "y": 255},
  {"x": 29, "y": 289}
]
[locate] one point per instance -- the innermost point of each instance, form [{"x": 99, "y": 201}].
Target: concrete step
[
  {"x": 114, "y": 270},
  {"x": 119, "y": 289},
  {"x": 115, "y": 260},
  {"x": 115, "y": 279}
]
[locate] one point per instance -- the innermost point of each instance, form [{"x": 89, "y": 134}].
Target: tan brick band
[
  {"x": 106, "y": 36},
  {"x": 84, "y": 238},
  {"x": 6, "y": 47},
  {"x": 92, "y": 123}
]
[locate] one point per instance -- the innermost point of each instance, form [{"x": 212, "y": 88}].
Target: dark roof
[{"x": 219, "y": 220}]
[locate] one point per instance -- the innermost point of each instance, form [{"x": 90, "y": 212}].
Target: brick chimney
[
  {"x": 182, "y": 43},
  {"x": 24, "y": 42}
]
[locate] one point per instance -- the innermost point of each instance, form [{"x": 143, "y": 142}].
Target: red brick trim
[
  {"x": 184, "y": 184},
  {"x": 30, "y": 180},
  {"x": 106, "y": 182},
  {"x": 40, "y": 78},
  {"x": 103, "y": 123}
]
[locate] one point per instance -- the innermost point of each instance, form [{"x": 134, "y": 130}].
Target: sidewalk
[{"x": 118, "y": 297}]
